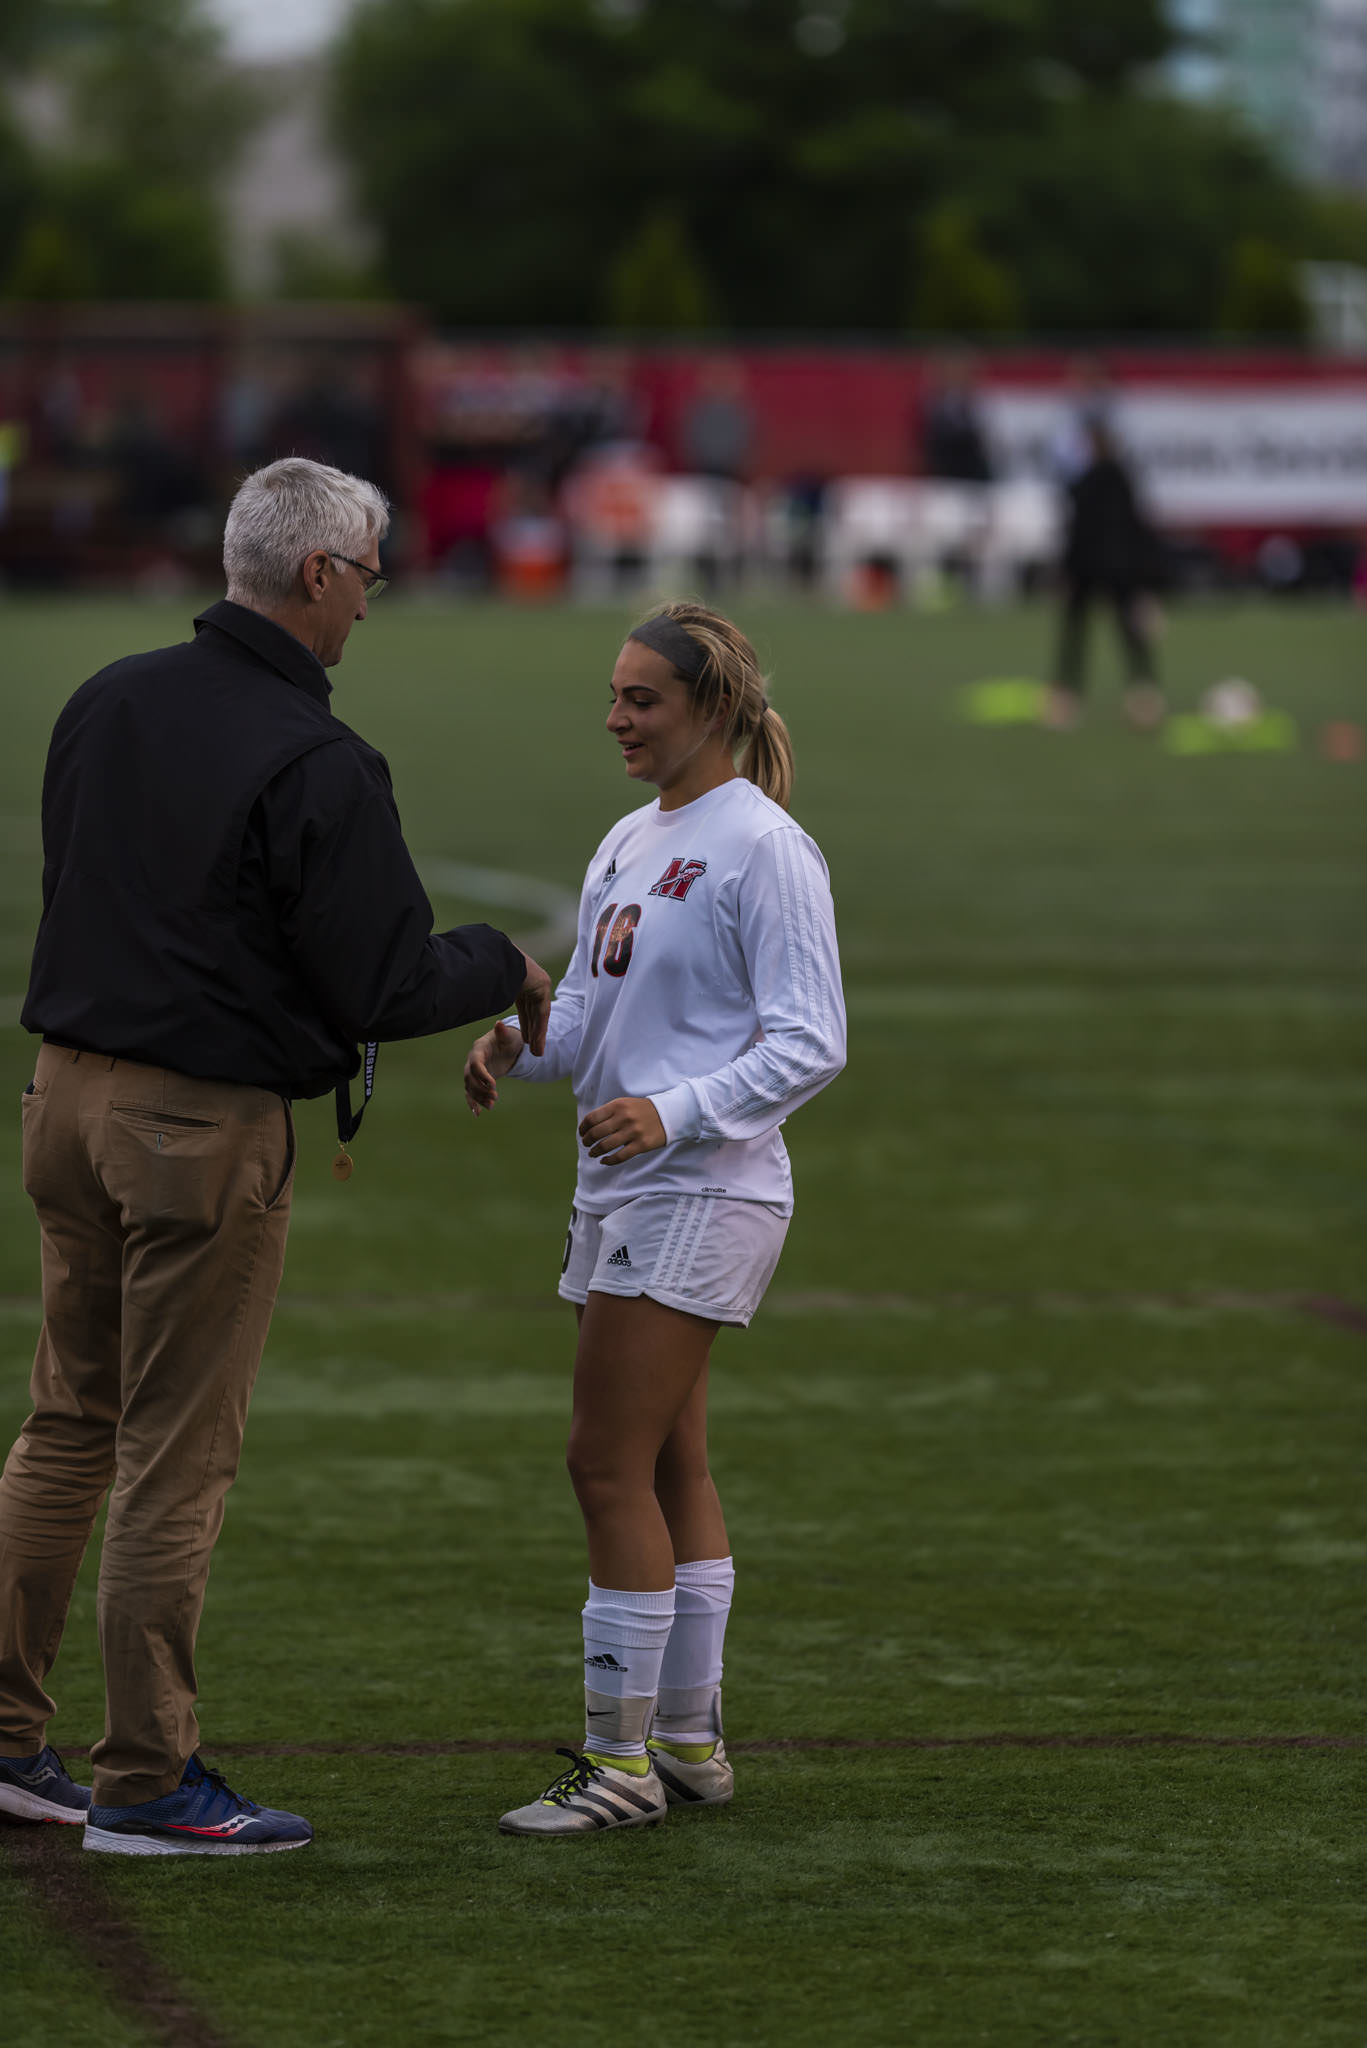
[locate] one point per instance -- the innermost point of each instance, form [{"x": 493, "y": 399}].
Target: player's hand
[
  {"x": 534, "y": 1006},
  {"x": 621, "y": 1129},
  {"x": 488, "y": 1060}
]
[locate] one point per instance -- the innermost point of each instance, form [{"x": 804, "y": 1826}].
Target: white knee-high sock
[
  {"x": 689, "y": 1705},
  {"x": 625, "y": 1634}
]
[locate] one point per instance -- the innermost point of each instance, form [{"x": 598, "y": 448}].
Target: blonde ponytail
[{"x": 768, "y": 759}]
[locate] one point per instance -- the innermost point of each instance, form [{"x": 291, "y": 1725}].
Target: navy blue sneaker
[
  {"x": 202, "y": 1817},
  {"x": 40, "y": 1788}
]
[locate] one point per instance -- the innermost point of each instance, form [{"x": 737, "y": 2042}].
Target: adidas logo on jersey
[
  {"x": 621, "y": 1257},
  {"x": 612, "y": 869}
]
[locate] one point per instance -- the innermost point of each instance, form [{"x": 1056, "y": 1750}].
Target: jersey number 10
[{"x": 616, "y": 954}]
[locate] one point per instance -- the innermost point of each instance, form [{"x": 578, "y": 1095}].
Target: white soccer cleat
[
  {"x": 588, "y": 1796},
  {"x": 693, "y": 1777}
]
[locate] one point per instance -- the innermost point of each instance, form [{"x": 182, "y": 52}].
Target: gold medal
[{"x": 343, "y": 1166}]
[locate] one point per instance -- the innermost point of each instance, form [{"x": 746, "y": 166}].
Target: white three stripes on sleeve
[{"x": 796, "y": 984}]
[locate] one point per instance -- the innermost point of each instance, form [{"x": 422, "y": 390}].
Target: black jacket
[
  {"x": 1109, "y": 543},
  {"x": 226, "y": 890}
]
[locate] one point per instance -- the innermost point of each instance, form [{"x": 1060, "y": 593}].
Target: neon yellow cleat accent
[
  {"x": 637, "y": 1766},
  {"x": 693, "y": 1774},
  {"x": 687, "y": 1752}
]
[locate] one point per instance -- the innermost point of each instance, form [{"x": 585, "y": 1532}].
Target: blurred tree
[
  {"x": 123, "y": 204},
  {"x": 1118, "y": 212},
  {"x": 1104, "y": 46},
  {"x": 959, "y": 288},
  {"x": 476, "y": 129},
  {"x": 1261, "y": 292},
  {"x": 100, "y": 232},
  {"x": 1338, "y": 228},
  {"x": 306, "y": 265},
  {"x": 18, "y": 191},
  {"x": 49, "y": 263},
  {"x": 514, "y": 153},
  {"x": 656, "y": 282},
  {"x": 29, "y": 27},
  {"x": 149, "y": 90}
]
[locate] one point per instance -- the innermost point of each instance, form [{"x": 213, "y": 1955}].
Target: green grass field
[{"x": 1049, "y": 1436}]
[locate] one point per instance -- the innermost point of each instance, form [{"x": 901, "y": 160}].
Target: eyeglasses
[{"x": 372, "y": 582}]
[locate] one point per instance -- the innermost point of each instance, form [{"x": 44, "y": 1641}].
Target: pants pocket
[
  {"x": 287, "y": 1173},
  {"x": 161, "y": 1119}
]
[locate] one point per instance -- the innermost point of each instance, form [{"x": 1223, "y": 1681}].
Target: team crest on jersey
[{"x": 678, "y": 878}]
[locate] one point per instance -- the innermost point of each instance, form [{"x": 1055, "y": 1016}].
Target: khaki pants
[{"x": 163, "y": 1204}]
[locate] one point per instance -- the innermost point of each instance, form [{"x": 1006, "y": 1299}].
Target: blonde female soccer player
[{"x": 701, "y": 1006}]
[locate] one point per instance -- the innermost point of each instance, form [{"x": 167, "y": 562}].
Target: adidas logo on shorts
[{"x": 621, "y": 1257}]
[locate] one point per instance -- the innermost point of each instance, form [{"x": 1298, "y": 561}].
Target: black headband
[{"x": 667, "y": 637}]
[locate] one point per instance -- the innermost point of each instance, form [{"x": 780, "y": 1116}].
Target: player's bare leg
[
  {"x": 686, "y": 1737},
  {"x": 683, "y": 1484},
  {"x": 637, "y": 1366}
]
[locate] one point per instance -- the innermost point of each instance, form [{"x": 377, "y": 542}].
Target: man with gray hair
[{"x": 228, "y": 910}]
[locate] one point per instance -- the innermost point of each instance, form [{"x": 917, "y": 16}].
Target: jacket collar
[{"x": 271, "y": 643}]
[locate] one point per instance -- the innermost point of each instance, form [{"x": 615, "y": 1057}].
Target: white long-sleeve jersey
[{"x": 705, "y": 976}]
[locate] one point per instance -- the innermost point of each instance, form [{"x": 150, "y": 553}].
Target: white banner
[{"x": 1255, "y": 456}]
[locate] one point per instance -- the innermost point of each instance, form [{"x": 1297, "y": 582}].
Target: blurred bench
[{"x": 997, "y": 537}]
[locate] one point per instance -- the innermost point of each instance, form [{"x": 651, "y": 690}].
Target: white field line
[{"x": 502, "y": 890}]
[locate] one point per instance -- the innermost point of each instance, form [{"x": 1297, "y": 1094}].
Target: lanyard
[{"x": 348, "y": 1123}]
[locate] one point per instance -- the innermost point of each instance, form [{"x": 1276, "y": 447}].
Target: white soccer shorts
[{"x": 706, "y": 1254}]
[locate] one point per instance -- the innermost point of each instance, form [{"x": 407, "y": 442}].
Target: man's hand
[
  {"x": 621, "y": 1129},
  {"x": 489, "y": 1059},
  {"x": 534, "y": 1007}
]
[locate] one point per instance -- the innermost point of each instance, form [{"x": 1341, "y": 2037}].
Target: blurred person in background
[
  {"x": 955, "y": 453},
  {"x": 246, "y": 401},
  {"x": 1111, "y": 556},
  {"x": 228, "y": 908},
  {"x": 795, "y": 514},
  {"x": 717, "y": 432},
  {"x": 330, "y": 416},
  {"x": 608, "y": 502},
  {"x": 64, "y": 416},
  {"x": 701, "y": 1007},
  {"x": 162, "y": 488},
  {"x": 610, "y": 410},
  {"x": 1089, "y": 402},
  {"x": 528, "y": 540},
  {"x": 953, "y": 439},
  {"x": 69, "y": 441}
]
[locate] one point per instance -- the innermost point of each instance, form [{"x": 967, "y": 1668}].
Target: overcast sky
[{"x": 277, "y": 28}]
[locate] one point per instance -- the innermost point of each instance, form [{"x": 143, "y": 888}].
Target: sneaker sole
[
  {"x": 104, "y": 1841},
  {"x": 645, "y": 1820},
  {"x": 22, "y": 1805}
]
